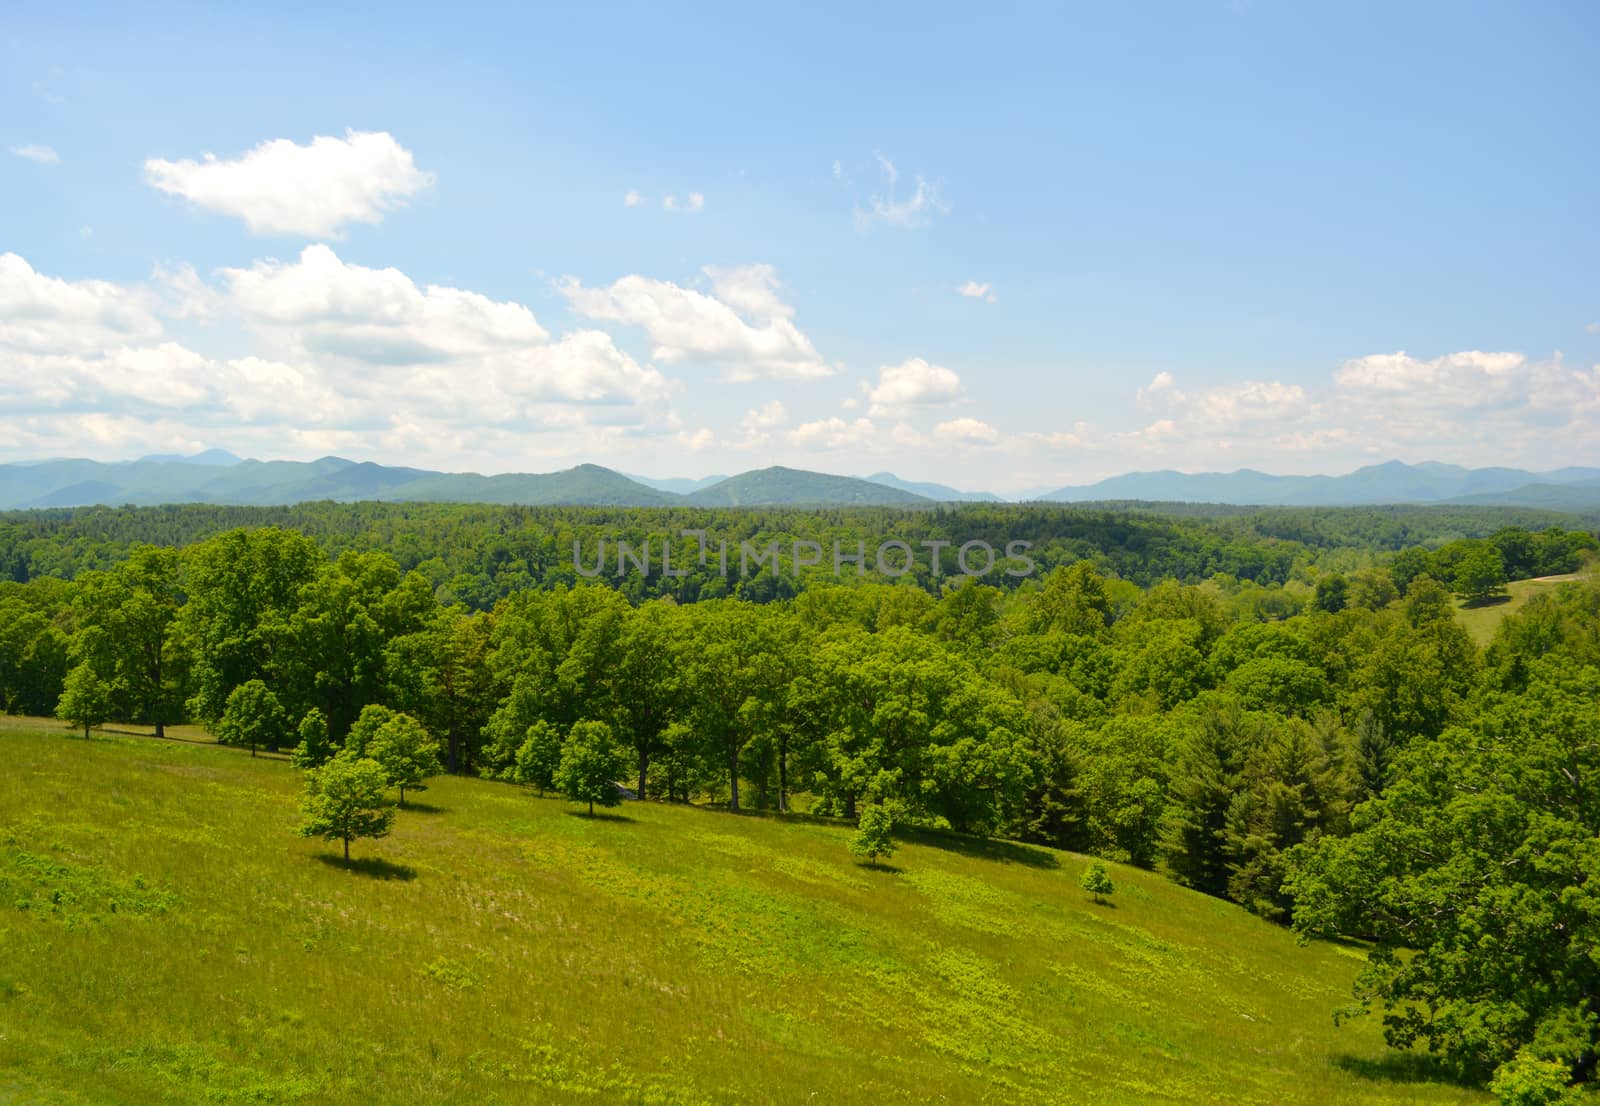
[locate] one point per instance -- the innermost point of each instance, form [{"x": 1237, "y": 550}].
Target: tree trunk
[
  {"x": 644, "y": 766},
  {"x": 402, "y": 796},
  {"x": 347, "y": 850},
  {"x": 161, "y": 729},
  {"x": 86, "y": 731},
  {"x": 783, "y": 775},
  {"x": 733, "y": 777},
  {"x": 454, "y": 744},
  {"x": 591, "y": 808},
  {"x": 850, "y": 805}
]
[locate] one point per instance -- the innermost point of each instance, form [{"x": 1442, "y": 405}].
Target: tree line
[{"x": 1342, "y": 758}]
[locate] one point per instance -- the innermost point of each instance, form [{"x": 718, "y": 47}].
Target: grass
[
  {"x": 1483, "y": 620},
  {"x": 165, "y": 937}
]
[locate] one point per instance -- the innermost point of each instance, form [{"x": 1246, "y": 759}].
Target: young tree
[
  {"x": 346, "y": 799},
  {"x": 1097, "y": 881},
  {"x": 538, "y": 757},
  {"x": 874, "y": 834},
  {"x": 407, "y": 754},
  {"x": 314, "y": 748},
  {"x": 590, "y": 763},
  {"x": 85, "y": 699},
  {"x": 254, "y": 717}
]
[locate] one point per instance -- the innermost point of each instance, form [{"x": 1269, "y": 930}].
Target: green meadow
[
  {"x": 1482, "y": 620},
  {"x": 165, "y": 937}
]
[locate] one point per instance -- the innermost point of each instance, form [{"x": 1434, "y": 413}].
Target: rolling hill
[
  {"x": 170, "y": 939},
  {"x": 778, "y": 485}
]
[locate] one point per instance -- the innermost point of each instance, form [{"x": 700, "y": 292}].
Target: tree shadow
[
  {"x": 424, "y": 808},
  {"x": 370, "y": 866},
  {"x": 981, "y": 848},
  {"x": 879, "y": 866},
  {"x": 1487, "y": 601},
  {"x": 1402, "y": 1067},
  {"x": 600, "y": 816}
]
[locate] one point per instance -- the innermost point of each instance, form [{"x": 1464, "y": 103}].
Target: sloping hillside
[
  {"x": 777, "y": 486},
  {"x": 169, "y": 939}
]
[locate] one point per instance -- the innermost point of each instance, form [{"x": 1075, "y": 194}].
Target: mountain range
[{"x": 219, "y": 477}]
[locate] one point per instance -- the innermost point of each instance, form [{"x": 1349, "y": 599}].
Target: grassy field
[
  {"x": 165, "y": 937},
  {"x": 1482, "y": 622}
]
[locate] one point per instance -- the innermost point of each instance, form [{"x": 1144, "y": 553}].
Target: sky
[{"x": 1003, "y": 247}]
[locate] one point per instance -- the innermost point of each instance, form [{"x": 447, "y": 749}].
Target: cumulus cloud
[
  {"x": 631, "y": 198},
  {"x": 341, "y": 357},
  {"x": 44, "y": 314},
  {"x": 314, "y": 190},
  {"x": 756, "y": 341},
  {"x": 912, "y": 383},
  {"x": 758, "y": 424},
  {"x": 972, "y": 290},
  {"x": 967, "y": 431},
  {"x": 42, "y": 155},
  {"x": 834, "y": 434}
]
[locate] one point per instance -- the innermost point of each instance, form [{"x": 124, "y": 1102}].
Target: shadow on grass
[
  {"x": 1490, "y": 601},
  {"x": 877, "y": 866},
  {"x": 599, "y": 816},
  {"x": 424, "y": 808},
  {"x": 370, "y": 866},
  {"x": 981, "y": 848},
  {"x": 1402, "y": 1067}
]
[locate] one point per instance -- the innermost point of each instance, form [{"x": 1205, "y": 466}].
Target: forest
[{"x": 1276, "y": 708}]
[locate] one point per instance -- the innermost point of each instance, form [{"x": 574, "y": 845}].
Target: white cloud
[
  {"x": 912, "y": 383},
  {"x": 631, "y": 198},
  {"x": 43, "y": 155},
  {"x": 340, "y": 357},
  {"x": 973, "y": 290},
  {"x": 44, "y": 314},
  {"x": 758, "y": 424},
  {"x": 694, "y": 201},
  {"x": 834, "y": 434},
  {"x": 376, "y": 315},
  {"x": 1593, "y": 328},
  {"x": 907, "y": 213},
  {"x": 967, "y": 431},
  {"x": 752, "y": 290},
  {"x": 313, "y": 190},
  {"x": 683, "y": 324}
]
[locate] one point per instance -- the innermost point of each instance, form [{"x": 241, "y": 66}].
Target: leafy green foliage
[
  {"x": 85, "y": 699},
  {"x": 1097, "y": 881},
  {"x": 874, "y": 836},
  {"x": 590, "y": 761},
  {"x": 253, "y": 718},
  {"x": 314, "y": 748},
  {"x": 406, "y": 753},
  {"x": 346, "y": 799}
]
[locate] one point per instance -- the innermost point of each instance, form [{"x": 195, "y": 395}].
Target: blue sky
[{"x": 1293, "y": 237}]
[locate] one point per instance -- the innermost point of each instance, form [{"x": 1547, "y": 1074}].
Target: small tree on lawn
[
  {"x": 85, "y": 699},
  {"x": 345, "y": 799},
  {"x": 873, "y": 837},
  {"x": 1097, "y": 881},
  {"x": 254, "y": 717},
  {"x": 539, "y": 757},
  {"x": 590, "y": 762},
  {"x": 406, "y": 752},
  {"x": 314, "y": 748}
]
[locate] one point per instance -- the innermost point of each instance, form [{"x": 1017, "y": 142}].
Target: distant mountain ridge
[
  {"x": 1390, "y": 482},
  {"x": 219, "y": 477}
]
